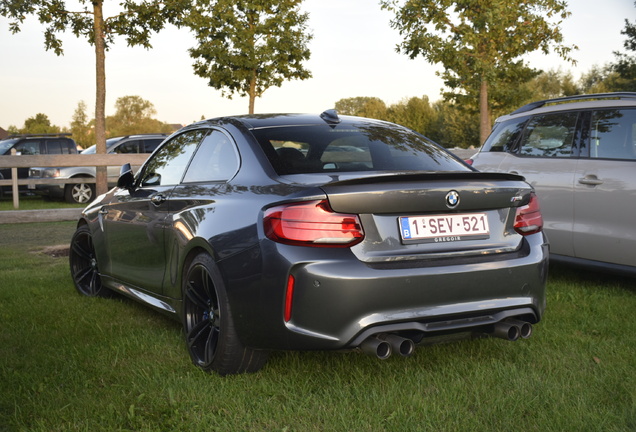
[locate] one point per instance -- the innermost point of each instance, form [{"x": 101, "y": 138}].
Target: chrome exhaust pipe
[
  {"x": 377, "y": 347},
  {"x": 525, "y": 328},
  {"x": 506, "y": 330},
  {"x": 403, "y": 346}
]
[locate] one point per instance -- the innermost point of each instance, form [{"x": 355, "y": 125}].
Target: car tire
[
  {"x": 210, "y": 334},
  {"x": 83, "y": 263},
  {"x": 79, "y": 193}
]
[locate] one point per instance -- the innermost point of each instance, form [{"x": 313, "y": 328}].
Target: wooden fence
[{"x": 26, "y": 161}]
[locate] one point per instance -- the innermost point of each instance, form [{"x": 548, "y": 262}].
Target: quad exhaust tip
[{"x": 383, "y": 345}]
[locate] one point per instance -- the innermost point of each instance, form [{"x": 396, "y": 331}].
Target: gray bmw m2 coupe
[{"x": 315, "y": 232}]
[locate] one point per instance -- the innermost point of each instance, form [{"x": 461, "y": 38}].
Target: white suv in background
[
  {"x": 83, "y": 193},
  {"x": 579, "y": 153}
]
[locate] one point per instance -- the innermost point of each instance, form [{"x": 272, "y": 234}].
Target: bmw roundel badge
[{"x": 452, "y": 199}]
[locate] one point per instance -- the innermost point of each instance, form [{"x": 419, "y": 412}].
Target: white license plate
[{"x": 444, "y": 228}]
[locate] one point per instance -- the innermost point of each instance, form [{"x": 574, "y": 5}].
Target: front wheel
[
  {"x": 209, "y": 329},
  {"x": 83, "y": 263}
]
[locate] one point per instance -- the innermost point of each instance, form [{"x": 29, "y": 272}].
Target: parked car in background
[
  {"x": 84, "y": 193},
  {"x": 579, "y": 153},
  {"x": 315, "y": 232},
  {"x": 33, "y": 144}
]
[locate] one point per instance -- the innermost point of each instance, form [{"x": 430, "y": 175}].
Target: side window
[
  {"x": 69, "y": 147},
  {"x": 166, "y": 167},
  {"x": 215, "y": 160},
  {"x": 30, "y": 147},
  {"x": 128, "y": 147},
  {"x": 53, "y": 146},
  {"x": 505, "y": 135},
  {"x": 613, "y": 134},
  {"x": 149, "y": 145},
  {"x": 550, "y": 135}
]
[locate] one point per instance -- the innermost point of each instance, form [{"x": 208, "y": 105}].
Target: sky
[{"x": 353, "y": 54}]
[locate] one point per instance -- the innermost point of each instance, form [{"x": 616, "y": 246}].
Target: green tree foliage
[
  {"x": 414, "y": 113},
  {"x": 134, "y": 115},
  {"x": 603, "y": 79},
  {"x": 443, "y": 122},
  {"x": 81, "y": 128},
  {"x": 13, "y": 130},
  {"x": 362, "y": 106},
  {"x": 625, "y": 65},
  {"x": 479, "y": 42},
  {"x": 506, "y": 91},
  {"x": 547, "y": 85},
  {"x": 136, "y": 21},
  {"x": 594, "y": 81},
  {"x": 248, "y": 46},
  {"x": 619, "y": 75},
  {"x": 38, "y": 124},
  {"x": 552, "y": 84},
  {"x": 454, "y": 126}
]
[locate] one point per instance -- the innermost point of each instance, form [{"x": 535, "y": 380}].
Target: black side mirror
[{"x": 126, "y": 178}]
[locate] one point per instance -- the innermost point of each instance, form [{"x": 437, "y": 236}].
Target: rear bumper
[{"x": 339, "y": 301}]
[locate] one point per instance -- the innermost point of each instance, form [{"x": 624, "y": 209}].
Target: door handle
[
  {"x": 157, "y": 199},
  {"x": 590, "y": 180}
]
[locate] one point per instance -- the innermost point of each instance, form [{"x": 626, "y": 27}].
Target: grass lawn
[
  {"x": 34, "y": 202},
  {"x": 70, "y": 363}
]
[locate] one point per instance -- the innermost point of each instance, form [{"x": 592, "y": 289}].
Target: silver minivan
[{"x": 579, "y": 153}]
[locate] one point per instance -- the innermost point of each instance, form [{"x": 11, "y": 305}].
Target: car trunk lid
[{"x": 456, "y": 214}]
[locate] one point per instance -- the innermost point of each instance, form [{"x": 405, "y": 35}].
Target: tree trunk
[
  {"x": 100, "y": 94},
  {"x": 252, "y": 94},
  {"x": 484, "y": 114}
]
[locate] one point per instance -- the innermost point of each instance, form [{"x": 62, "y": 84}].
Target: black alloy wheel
[
  {"x": 83, "y": 263},
  {"x": 209, "y": 329}
]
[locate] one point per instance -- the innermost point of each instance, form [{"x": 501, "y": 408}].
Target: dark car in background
[
  {"x": 33, "y": 144},
  {"x": 579, "y": 153},
  {"x": 315, "y": 232},
  {"x": 83, "y": 193}
]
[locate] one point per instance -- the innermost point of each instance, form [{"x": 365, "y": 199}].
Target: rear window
[
  {"x": 60, "y": 146},
  {"x": 346, "y": 147}
]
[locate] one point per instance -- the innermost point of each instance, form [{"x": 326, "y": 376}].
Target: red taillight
[
  {"x": 469, "y": 161},
  {"x": 312, "y": 223},
  {"x": 289, "y": 296},
  {"x": 528, "y": 219}
]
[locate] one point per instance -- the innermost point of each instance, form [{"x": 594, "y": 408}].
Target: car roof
[
  {"x": 260, "y": 121},
  {"x": 570, "y": 103},
  {"x": 146, "y": 135},
  {"x": 38, "y": 136}
]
